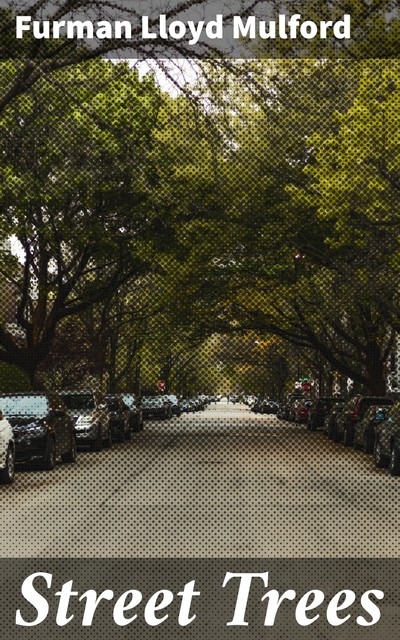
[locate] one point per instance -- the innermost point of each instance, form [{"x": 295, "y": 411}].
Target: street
[{"x": 219, "y": 483}]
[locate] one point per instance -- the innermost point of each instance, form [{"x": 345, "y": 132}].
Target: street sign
[{"x": 161, "y": 385}]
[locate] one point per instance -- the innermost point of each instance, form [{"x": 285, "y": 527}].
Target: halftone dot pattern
[
  {"x": 219, "y": 484},
  {"x": 121, "y": 227}
]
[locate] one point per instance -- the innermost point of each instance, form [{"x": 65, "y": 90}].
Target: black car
[
  {"x": 330, "y": 420},
  {"x": 319, "y": 410},
  {"x": 387, "y": 441},
  {"x": 266, "y": 406},
  {"x": 42, "y": 428},
  {"x": 187, "y": 406},
  {"x": 364, "y": 432},
  {"x": 136, "y": 413},
  {"x": 91, "y": 417},
  {"x": 119, "y": 418},
  {"x": 175, "y": 406},
  {"x": 156, "y": 408}
]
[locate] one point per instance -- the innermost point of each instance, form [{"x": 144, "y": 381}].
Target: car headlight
[{"x": 84, "y": 421}]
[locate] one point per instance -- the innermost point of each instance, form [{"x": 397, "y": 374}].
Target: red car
[{"x": 301, "y": 409}]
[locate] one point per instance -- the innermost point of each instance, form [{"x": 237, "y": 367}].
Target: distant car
[
  {"x": 319, "y": 411},
  {"x": 187, "y": 406},
  {"x": 301, "y": 409},
  {"x": 330, "y": 420},
  {"x": 7, "y": 451},
  {"x": 91, "y": 418},
  {"x": 286, "y": 408},
  {"x": 136, "y": 413},
  {"x": 234, "y": 398},
  {"x": 364, "y": 431},
  {"x": 156, "y": 408},
  {"x": 42, "y": 428},
  {"x": 120, "y": 416},
  {"x": 387, "y": 441},
  {"x": 265, "y": 406},
  {"x": 353, "y": 411},
  {"x": 175, "y": 407}
]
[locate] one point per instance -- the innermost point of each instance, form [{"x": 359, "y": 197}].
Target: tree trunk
[{"x": 375, "y": 370}]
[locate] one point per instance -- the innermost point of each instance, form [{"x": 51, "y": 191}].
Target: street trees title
[
  {"x": 282, "y": 28},
  {"x": 129, "y": 606}
]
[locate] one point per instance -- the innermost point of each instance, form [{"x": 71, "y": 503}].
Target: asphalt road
[{"x": 221, "y": 483}]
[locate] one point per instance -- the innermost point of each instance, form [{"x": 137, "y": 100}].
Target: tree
[
  {"x": 75, "y": 190},
  {"x": 281, "y": 272}
]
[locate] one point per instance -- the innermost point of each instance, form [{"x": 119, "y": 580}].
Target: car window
[
  {"x": 24, "y": 405},
  {"x": 78, "y": 401}
]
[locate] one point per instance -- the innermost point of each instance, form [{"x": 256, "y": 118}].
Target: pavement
[{"x": 220, "y": 483}]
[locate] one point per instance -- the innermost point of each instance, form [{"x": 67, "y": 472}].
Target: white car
[{"x": 7, "y": 452}]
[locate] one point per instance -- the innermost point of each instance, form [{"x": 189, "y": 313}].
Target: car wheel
[
  {"x": 49, "y": 460},
  {"x": 8, "y": 473},
  {"x": 394, "y": 464},
  {"x": 108, "y": 440},
  {"x": 368, "y": 443},
  {"x": 378, "y": 455},
  {"x": 121, "y": 433},
  {"x": 336, "y": 434},
  {"x": 71, "y": 455},
  {"x": 97, "y": 443}
]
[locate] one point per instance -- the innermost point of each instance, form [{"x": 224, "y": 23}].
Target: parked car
[
  {"x": 330, "y": 420},
  {"x": 265, "y": 406},
  {"x": 364, "y": 431},
  {"x": 285, "y": 411},
  {"x": 175, "y": 406},
  {"x": 91, "y": 418},
  {"x": 120, "y": 416},
  {"x": 387, "y": 441},
  {"x": 198, "y": 404},
  {"x": 42, "y": 428},
  {"x": 301, "y": 409},
  {"x": 294, "y": 404},
  {"x": 136, "y": 413},
  {"x": 319, "y": 410},
  {"x": 7, "y": 451},
  {"x": 353, "y": 411},
  {"x": 156, "y": 408},
  {"x": 187, "y": 406}
]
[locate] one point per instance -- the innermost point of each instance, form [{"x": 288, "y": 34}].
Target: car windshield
[
  {"x": 152, "y": 402},
  {"x": 78, "y": 401},
  {"x": 24, "y": 405}
]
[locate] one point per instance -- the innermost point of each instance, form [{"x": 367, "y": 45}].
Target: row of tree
[{"x": 164, "y": 237}]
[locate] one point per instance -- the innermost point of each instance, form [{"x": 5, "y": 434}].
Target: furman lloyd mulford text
[{"x": 285, "y": 27}]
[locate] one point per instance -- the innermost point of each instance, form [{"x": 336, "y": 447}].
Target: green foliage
[{"x": 13, "y": 379}]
